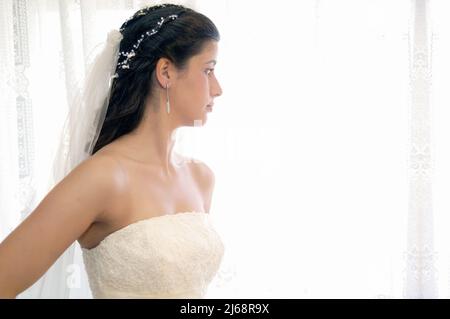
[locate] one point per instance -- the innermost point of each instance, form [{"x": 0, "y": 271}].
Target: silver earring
[{"x": 167, "y": 99}]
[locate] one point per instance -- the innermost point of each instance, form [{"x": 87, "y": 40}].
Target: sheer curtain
[{"x": 328, "y": 143}]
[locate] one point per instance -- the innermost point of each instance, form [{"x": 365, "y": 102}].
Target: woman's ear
[{"x": 162, "y": 72}]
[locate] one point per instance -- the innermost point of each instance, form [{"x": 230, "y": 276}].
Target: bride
[{"x": 139, "y": 210}]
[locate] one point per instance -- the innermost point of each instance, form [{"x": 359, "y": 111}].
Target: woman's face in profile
[{"x": 197, "y": 87}]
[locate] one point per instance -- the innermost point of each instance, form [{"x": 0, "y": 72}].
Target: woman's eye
[{"x": 209, "y": 71}]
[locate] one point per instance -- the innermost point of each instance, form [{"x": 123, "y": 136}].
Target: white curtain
[
  {"x": 421, "y": 272},
  {"x": 328, "y": 144}
]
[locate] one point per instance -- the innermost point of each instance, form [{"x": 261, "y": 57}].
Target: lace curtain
[{"x": 328, "y": 143}]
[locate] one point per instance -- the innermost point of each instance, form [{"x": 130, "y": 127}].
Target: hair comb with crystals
[
  {"x": 130, "y": 54},
  {"x": 144, "y": 11}
]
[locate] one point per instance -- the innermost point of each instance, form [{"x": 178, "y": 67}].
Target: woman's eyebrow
[{"x": 211, "y": 61}]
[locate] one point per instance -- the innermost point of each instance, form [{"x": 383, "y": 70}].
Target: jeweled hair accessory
[
  {"x": 130, "y": 54},
  {"x": 145, "y": 11}
]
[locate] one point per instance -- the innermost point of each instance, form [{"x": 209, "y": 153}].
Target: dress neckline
[{"x": 139, "y": 222}]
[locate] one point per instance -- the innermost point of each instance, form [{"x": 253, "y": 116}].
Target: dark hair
[{"x": 177, "y": 40}]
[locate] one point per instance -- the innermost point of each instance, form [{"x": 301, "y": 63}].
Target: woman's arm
[{"x": 60, "y": 218}]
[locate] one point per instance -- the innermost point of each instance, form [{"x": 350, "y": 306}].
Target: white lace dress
[{"x": 168, "y": 256}]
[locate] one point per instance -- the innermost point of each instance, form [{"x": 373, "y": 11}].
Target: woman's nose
[{"x": 217, "y": 89}]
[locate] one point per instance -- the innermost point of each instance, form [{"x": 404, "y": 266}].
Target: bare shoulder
[
  {"x": 205, "y": 178},
  {"x": 202, "y": 171},
  {"x": 110, "y": 167}
]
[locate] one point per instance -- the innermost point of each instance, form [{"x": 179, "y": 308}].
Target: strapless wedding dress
[{"x": 168, "y": 256}]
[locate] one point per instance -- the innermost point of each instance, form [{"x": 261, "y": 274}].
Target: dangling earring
[{"x": 167, "y": 99}]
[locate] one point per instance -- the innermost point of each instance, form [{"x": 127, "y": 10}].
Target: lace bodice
[{"x": 168, "y": 256}]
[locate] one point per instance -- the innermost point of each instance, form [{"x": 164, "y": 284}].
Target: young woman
[{"x": 139, "y": 211}]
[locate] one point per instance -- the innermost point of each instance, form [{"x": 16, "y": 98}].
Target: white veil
[{"x": 87, "y": 111}]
